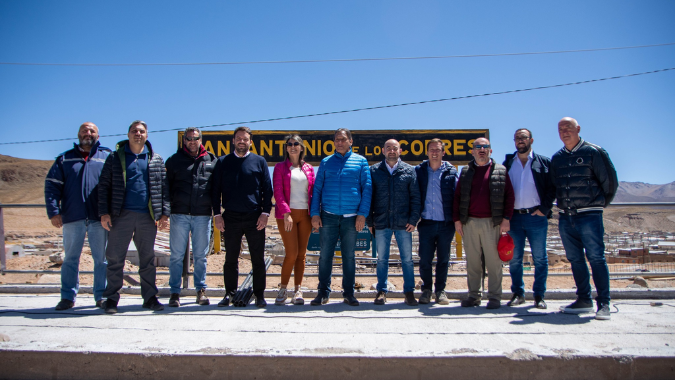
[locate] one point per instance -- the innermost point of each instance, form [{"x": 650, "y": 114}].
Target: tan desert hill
[
  {"x": 22, "y": 180},
  {"x": 645, "y": 192}
]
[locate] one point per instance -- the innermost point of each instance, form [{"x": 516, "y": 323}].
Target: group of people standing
[{"x": 114, "y": 196}]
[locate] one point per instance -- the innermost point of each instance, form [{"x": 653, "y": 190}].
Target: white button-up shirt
[{"x": 523, "y": 183}]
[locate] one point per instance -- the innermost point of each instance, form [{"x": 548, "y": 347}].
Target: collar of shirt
[
  {"x": 246, "y": 155},
  {"x": 581, "y": 141},
  {"x": 391, "y": 169},
  {"x": 128, "y": 149}
]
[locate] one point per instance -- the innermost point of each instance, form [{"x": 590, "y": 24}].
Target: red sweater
[{"x": 479, "y": 206}]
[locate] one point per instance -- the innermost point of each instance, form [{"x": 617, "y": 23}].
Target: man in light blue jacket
[{"x": 340, "y": 204}]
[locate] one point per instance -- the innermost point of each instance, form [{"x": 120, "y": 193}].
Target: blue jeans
[
  {"x": 534, "y": 228},
  {"x": 181, "y": 226},
  {"x": 404, "y": 242},
  {"x": 334, "y": 227},
  {"x": 73, "y": 241},
  {"x": 435, "y": 238},
  {"x": 584, "y": 232}
]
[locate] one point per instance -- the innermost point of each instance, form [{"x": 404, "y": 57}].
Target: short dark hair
[
  {"x": 192, "y": 129},
  {"x": 345, "y": 130},
  {"x": 302, "y": 144},
  {"x": 137, "y": 122},
  {"x": 435, "y": 141},
  {"x": 524, "y": 129},
  {"x": 243, "y": 129}
]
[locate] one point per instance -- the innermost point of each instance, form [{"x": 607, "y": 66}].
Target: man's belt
[{"x": 526, "y": 210}]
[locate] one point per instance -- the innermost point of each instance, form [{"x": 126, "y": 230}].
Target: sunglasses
[
  {"x": 292, "y": 143},
  {"x": 192, "y": 138},
  {"x": 486, "y": 146}
]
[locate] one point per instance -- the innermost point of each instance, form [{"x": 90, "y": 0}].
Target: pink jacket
[{"x": 282, "y": 186}]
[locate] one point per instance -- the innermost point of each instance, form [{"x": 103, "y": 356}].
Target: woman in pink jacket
[{"x": 293, "y": 184}]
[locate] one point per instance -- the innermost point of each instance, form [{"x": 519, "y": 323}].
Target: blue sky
[{"x": 626, "y": 116}]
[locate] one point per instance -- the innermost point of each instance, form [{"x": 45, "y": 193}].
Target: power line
[
  {"x": 374, "y": 107},
  {"x": 336, "y": 60}
]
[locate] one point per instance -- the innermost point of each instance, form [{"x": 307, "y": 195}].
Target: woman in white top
[{"x": 293, "y": 183}]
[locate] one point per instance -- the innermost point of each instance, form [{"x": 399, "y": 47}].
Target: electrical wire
[
  {"x": 337, "y": 60},
  {"x": 370, "y": 108}
]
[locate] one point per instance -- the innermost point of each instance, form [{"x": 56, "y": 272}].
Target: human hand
[
  {"x": 57, "y": 221},
  {"x": 459, "y": 229},
  {"x": 360, "y": 222},
  {"x": 316, "y": 223},
  {"x": 288, "y": 222},
  {"x": 504, "y": 226},
  {"x": 262, "y": 222},
  {"x": 105, "y": 222},
  {"x": 220, "y": 224}
]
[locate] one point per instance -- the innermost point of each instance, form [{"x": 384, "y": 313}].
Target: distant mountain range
[{"x": 645, "y": 192}]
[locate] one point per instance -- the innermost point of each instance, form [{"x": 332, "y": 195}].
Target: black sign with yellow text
[{"x": 319, "y": 144}]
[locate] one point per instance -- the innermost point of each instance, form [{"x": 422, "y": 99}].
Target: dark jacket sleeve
[
  {"x": 217, "y": 186},
  {"x": 369, "y": 218},
  {"x": 54, "y": 187},
  {"x": 267, "y": 190},
  {"x": 604, "y": 170},
  {"x": 415, "y": 201},
  {"x": 548, "y": 195},
  {"x": 105, "y": 187},
  {"x": 509, "y": 198},
  {"x": 166, "y": 198},
  {"x": 458, "y": 195}
]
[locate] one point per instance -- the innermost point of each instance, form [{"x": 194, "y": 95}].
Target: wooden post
[{"x": 458, "y": 241}]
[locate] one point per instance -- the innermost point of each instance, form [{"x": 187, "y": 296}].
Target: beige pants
[{"x": 481, "y": 237}]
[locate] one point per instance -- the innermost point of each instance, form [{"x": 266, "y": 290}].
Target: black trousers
[
  {"x": 143, "y": 229},
  {"x": 238, "y": 225}
]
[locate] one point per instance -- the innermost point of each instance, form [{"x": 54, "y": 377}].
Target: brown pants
[
  {"x": 295, "y": 243},
  {"x": 480, "y": 239}
]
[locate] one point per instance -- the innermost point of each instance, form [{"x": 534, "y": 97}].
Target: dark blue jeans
[
  {"x": 334, "y": 227},
  {"x": 533, "y": 228},
  {"x": 435, "y": 238},
  {"x": 584, "y": 232}
]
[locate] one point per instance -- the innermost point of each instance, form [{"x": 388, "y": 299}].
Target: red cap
[{"x": 505, "y": 247}]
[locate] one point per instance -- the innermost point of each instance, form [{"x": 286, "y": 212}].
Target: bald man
[
  {"x": 586, "y": 182},
  {"x": 394, "y": 210},
  {"x": 71, "y": 196},
  {"x": 484, "y": 201}
]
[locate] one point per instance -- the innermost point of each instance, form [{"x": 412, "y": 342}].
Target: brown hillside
[{"x": 22, "y": 180}]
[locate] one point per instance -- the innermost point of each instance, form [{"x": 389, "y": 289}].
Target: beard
[
  {"x": 523, "y": 149},
  {"x": 87, "y": 142}
]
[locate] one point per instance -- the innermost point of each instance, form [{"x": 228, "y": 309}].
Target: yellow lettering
[
  {"x": 403, "y": 142},
  {"x": 310, "y": 149},
  {"x": 209, "y": 147},
  {"x": 366, "y": 153},
  {"x": 266, "y": 147},
  {"x": 459, "y": 146},
  {"x": 332, "y": 148},
  {"x": 222, "y": 149},
  {"x": 416, "y": 147},
  {"x": 355, "y": 149},
  {"x": 447, "y": 144},
  {"x": 281, "y": 144},
  {"x": 377, "y": 151}
]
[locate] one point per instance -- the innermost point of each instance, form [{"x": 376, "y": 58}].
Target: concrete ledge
[
  {"x": 556, "y": 294},
  {"x": 93, "y": 366}
]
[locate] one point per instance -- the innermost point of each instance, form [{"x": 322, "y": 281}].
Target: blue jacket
[
  {"x": 71, "y": 186},
  {"x": 448, "y": 184},
  {"x": 342, "y": 185}
]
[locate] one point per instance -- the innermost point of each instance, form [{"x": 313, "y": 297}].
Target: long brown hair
[{"x": 302, "y": 144}]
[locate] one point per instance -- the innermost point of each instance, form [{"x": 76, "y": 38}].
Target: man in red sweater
[{"x": 483, "y": 205}]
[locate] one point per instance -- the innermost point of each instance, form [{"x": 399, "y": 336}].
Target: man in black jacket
[
  {"x": 133, "y": 202},
  {"x": 188, "y": 174},
  {"x": 437, "y": 180},
  {"x": 586, "y": 182},
  {"x": 534, "y": 193},
  {"x": 394, "y": 209},
  {"x": 242, "y": 184}
]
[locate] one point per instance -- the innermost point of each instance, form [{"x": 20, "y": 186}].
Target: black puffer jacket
[
  {"x": 190, "y": 183},
  {"x": 112, "y": 185},
  {"x": 541, "y": 168},
  {"x": 396, "y": 198},
  {"x": 585, "y": 178}
]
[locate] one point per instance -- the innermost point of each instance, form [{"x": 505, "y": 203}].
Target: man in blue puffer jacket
[
  {"x": 71, "y": 196},
  {"x": 340, "y": 204}
]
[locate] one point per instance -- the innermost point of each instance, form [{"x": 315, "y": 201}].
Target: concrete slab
[{"x": 333, "y": 341}]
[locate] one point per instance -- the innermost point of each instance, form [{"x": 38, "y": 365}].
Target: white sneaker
[
  {"x": 297, "y": 298},
  {"x": 281, "y": 297}
]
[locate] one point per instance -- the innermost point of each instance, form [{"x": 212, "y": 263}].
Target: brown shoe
[
  {"x": 410, "y": 299},
  {"x": 202, "y": 299},
  {"x": 380, "y": 298}
]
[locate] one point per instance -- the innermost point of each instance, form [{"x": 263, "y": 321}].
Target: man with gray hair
[
  {"x": 188, "y": 174},
  {"x": 71, "y": 195}
]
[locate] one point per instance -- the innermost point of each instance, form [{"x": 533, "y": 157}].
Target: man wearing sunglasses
[
  {"x": 535, "y": 192},
  {"x": 188, "y": 173},
  {"x": 483, "y": 206}
]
